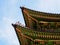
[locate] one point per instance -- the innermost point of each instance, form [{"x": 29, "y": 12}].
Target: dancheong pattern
[{"x": 40, "y": 28}]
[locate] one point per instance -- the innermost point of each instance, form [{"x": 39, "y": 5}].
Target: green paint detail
[
  {"x": 37, "y": 35},
  {"x": 49, "y": 43}
]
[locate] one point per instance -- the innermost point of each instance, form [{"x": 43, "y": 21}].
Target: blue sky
[{"x": 10, "y": 12}]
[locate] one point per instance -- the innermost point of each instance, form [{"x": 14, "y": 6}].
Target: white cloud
[
  {"x": 9, "y": 37},
  {"x": 52, "y": 6},
  {"x": 8, "y": 33},
  {"x": 9, "y": 16}
]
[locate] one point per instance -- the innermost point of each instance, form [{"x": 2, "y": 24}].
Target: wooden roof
[{"x": 39, "y": 16}]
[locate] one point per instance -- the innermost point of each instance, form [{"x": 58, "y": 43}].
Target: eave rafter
[
  {"x": 44, "y": 17},
  {"x": 27, "y": 13}
]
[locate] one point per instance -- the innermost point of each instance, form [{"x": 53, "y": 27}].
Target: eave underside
[{"x": 23, "y": 38}]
